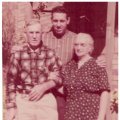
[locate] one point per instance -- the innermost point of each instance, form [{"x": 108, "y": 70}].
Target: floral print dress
[{"x": 83, "y": 88}]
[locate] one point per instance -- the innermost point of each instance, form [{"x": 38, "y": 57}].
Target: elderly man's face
[
  {"x": 60, "y": 22},
  {"x": 34, "y": 33}
]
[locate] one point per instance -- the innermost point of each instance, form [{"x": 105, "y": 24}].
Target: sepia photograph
[{"x": 60, "y": 60}]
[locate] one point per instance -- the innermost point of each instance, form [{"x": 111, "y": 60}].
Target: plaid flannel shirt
[{"x": 29, "y": 68}]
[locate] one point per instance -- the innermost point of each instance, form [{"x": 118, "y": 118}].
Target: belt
[
  {"x": 23, "y": 91},
  {"x": 25, "y": 95},
  {"x": 26, "y": 92}
]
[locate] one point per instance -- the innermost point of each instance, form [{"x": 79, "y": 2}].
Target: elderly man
[{"x": 29, "y": 82}]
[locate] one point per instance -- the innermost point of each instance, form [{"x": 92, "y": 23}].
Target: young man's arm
[{"x": 101, "y": 61}]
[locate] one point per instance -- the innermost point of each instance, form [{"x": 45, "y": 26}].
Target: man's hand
[
  {"x": 37, "y": 92},
  {"x": 10, "y": 114},
  {"x": 101, "y": 61},
  {"x": 53, "y": 75}
]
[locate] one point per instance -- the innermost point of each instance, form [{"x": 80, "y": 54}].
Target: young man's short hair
[{"x": 60, "y": 9}]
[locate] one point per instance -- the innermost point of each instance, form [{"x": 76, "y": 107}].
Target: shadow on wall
[{"x": 89, "y": 17}]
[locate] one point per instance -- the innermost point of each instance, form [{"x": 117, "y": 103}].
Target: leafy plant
[
  {"x": 114, "y": 101},
  {"x": 37, "y": 10}
]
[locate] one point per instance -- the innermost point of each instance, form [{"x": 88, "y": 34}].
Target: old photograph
[{"x": 60, "y": 60}]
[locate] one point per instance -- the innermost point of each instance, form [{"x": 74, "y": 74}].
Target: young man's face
[
  {"x": 34, "y": 33},
  {"x": 60, "y": 22}
]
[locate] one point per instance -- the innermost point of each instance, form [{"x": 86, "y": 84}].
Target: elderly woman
[{"x": 85, "y": 83}]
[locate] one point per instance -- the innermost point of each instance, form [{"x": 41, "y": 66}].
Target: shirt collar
[{"x": 38, "y": 50}]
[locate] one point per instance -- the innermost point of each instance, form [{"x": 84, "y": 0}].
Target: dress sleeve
[
  {"x": 95, "y": 80},
  {"x": 103, "y": 80}
]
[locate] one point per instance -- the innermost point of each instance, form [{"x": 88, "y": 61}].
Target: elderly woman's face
[{"x": 82, "y": 46}]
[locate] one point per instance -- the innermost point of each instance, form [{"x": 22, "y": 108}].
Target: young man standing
[
  {"x": 61, "y": 40},
  {"x": 59, "y": 37}
]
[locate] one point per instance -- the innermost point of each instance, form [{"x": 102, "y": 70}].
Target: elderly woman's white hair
[{"x": 88, "y": 37}]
